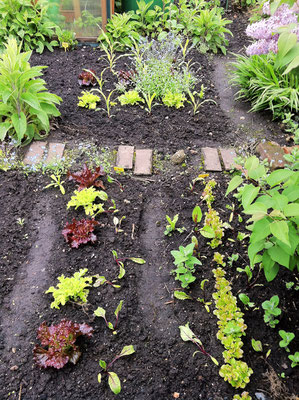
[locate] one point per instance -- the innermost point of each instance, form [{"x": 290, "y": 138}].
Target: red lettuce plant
[
  {"x": 87, "y": 78},
  {"x": 59, "y": 341},
  {"x": 126, "y": 77},
  {"x": 87, "y": 178},
  {"x": 80, "y": 232}
]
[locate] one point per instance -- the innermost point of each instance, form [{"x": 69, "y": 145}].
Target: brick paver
[
  {"x": 211, "y": 159},
  {"x": 273, "y": 153},
  {"x": 55, "y": 152},
  {"x": 143, "y": 162},
  {"x": 228, "y": 156},
  {"x": 35, "y": 153},
  {"x": 124, "y": 157}
]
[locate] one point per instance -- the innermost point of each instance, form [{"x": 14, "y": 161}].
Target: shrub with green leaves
[
  {"x": 231, "y": 329},
  {"x": 25, "y": 103},
  {"x": 74, "y": 288},
  {"x": 86, "y": 198},
  {"x": 262, "y": 81},
  {"x": 28, "y": 22},
  {"x": 272, "y": 201}
]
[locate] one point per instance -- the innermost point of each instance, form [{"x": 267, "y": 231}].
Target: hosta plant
[
  {"x": 231, "y": 329},
  {"x": 87, "y": 178},
  {"x": 58, "y": 343},
  {"x": 25, "y": 104},
  {"x": 79, "y": 232},
  {"x": 86, "y": 198},
  {"x": 73, "y": 289},
  {"x": 185, "y": 264},
  {"x": 113, "y": 379},
  {"x": 271, "y": 199},
  {"x": 28, "y": 22}
]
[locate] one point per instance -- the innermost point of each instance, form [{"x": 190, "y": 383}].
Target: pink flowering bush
[{"x": 265, "y": 31}]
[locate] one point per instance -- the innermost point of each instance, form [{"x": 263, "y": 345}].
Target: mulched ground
[{"x": 163, "y": 363}]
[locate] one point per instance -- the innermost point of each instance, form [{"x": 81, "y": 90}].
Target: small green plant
[
  {"x": 109, "y": 47},
  {"x": 57, "y": 183},
  {"x": 171, "y": 227},
  {"x": 130, "y": 97},
  {"x": 86, "y": 198},
  {"x": 196, "y": 100},
  {"x": 67, "y": 39},
  {"x": 188, "y": 336},
  {"x": 295, "y": 359},
  {"x": 243, "y": 396},
  {"x": 185, "y": 262},
  {"x": 149, "y": 101},
  {"x": 246, "y": 300},
  {"x": 108, "y": 101},
  {"x": 26, "y": 106},
  {"x": 271, "y": 310},
  {"x": 231, "y": 259},
  {"x": 196, "y": 216},
  {"x": 71, "y": 289},
  {"x": 287, "y": 337},
  {"x": 113, "y": 379},
  {"x": 219, "y": 259},
  {"x": 120, "y": 262},
  {"x": 241, "y": 236},
  {"x": 256, "y": 345},
  {"x": 88, "y": 100},
  {"x": 101, "y": 312},
  {"x": 21, "y": 221},
  {"x": 213, "y": 228},
  {"x": 176, "y": 100}
]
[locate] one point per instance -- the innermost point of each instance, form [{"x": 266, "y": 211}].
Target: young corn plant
[
  {"x": 57, "y": 183},
  {"x": 149, "y": 101},
  {"x": 109, "y": 47}
]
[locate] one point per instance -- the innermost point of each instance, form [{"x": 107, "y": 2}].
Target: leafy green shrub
[
  {"x": 121, "y": 29},
  {"x": 25, "y": 104},
  {"x": 28, "y": 22},
  {"x": 272, "y": 201},
  {"x": 231, "y": 329},
  {"x": 265, "y": 85},
  {"x": 74, "y": 288},
  {"x": 208, "y": 30}
]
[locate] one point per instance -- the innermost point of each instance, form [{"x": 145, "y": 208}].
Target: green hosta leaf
[
  {"x": 280, "y": 230},
  {"x": 137, "y": 260},
  {"x": 248, "y": 195},
  {"x": 127, "y": 350},
  {"x": 291, "y": 210},
  {"x": 181, "y": 295},
  {"x": 234, "y": 183},
  {"x": 278, "y": 176},
  {"x": 279, "y": 255},
  {"x": 114, "y": 382}
]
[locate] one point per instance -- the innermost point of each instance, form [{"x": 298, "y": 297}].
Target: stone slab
[
  {"x": 35, "y": 153},
  {"x": 143, "y": 162},
  {"x": 125, "y": 156},
  {"x": 228, "y": 156},
  {"x": 211, "y": 159},
  {"x": 55, "y": 152},
  {"x": 272, "y": 152}
]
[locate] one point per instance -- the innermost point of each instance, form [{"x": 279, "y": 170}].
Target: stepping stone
[
  {"x": 228, "y": 156},
  {"x": 55, "y": 152},
  {"x": 35, "y": 153},
  {"x": 124, "y": 157},
  {"x": 273, "y": 153},
  {"x": 211, "y": 159},
  {"x": 143, "y": 162}
]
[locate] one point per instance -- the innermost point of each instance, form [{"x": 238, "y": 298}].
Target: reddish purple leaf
[
  {"x": 86, "y": 178},
  {"x": 87, "y": 79},
  {"x": 80, "y": 232}
]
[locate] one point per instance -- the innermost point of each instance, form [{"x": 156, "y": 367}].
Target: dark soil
[{"x": 34, "y": 255}]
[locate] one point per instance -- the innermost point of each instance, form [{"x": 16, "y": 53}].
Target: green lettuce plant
[
  {"x": 176, "y": 100},
  {"x": 113, "y": 379},
  {"x": 130, "y": 97},
  {"x": 86, "y": 198},
  {"x": 25, "y": 104},
  {"x": 71, "y": 289},
  {"x": 213, "y": 228},
  {"x": 28, "y": 23},
  {"x": 88, "y": 100},
  {"x": 271, "y": 310},
  {"x": 231, "y": 329},
  {"x": 243, "y": 396},
  {"x": 185, "y": 262},
  {"x": 271, "y": 198}
]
